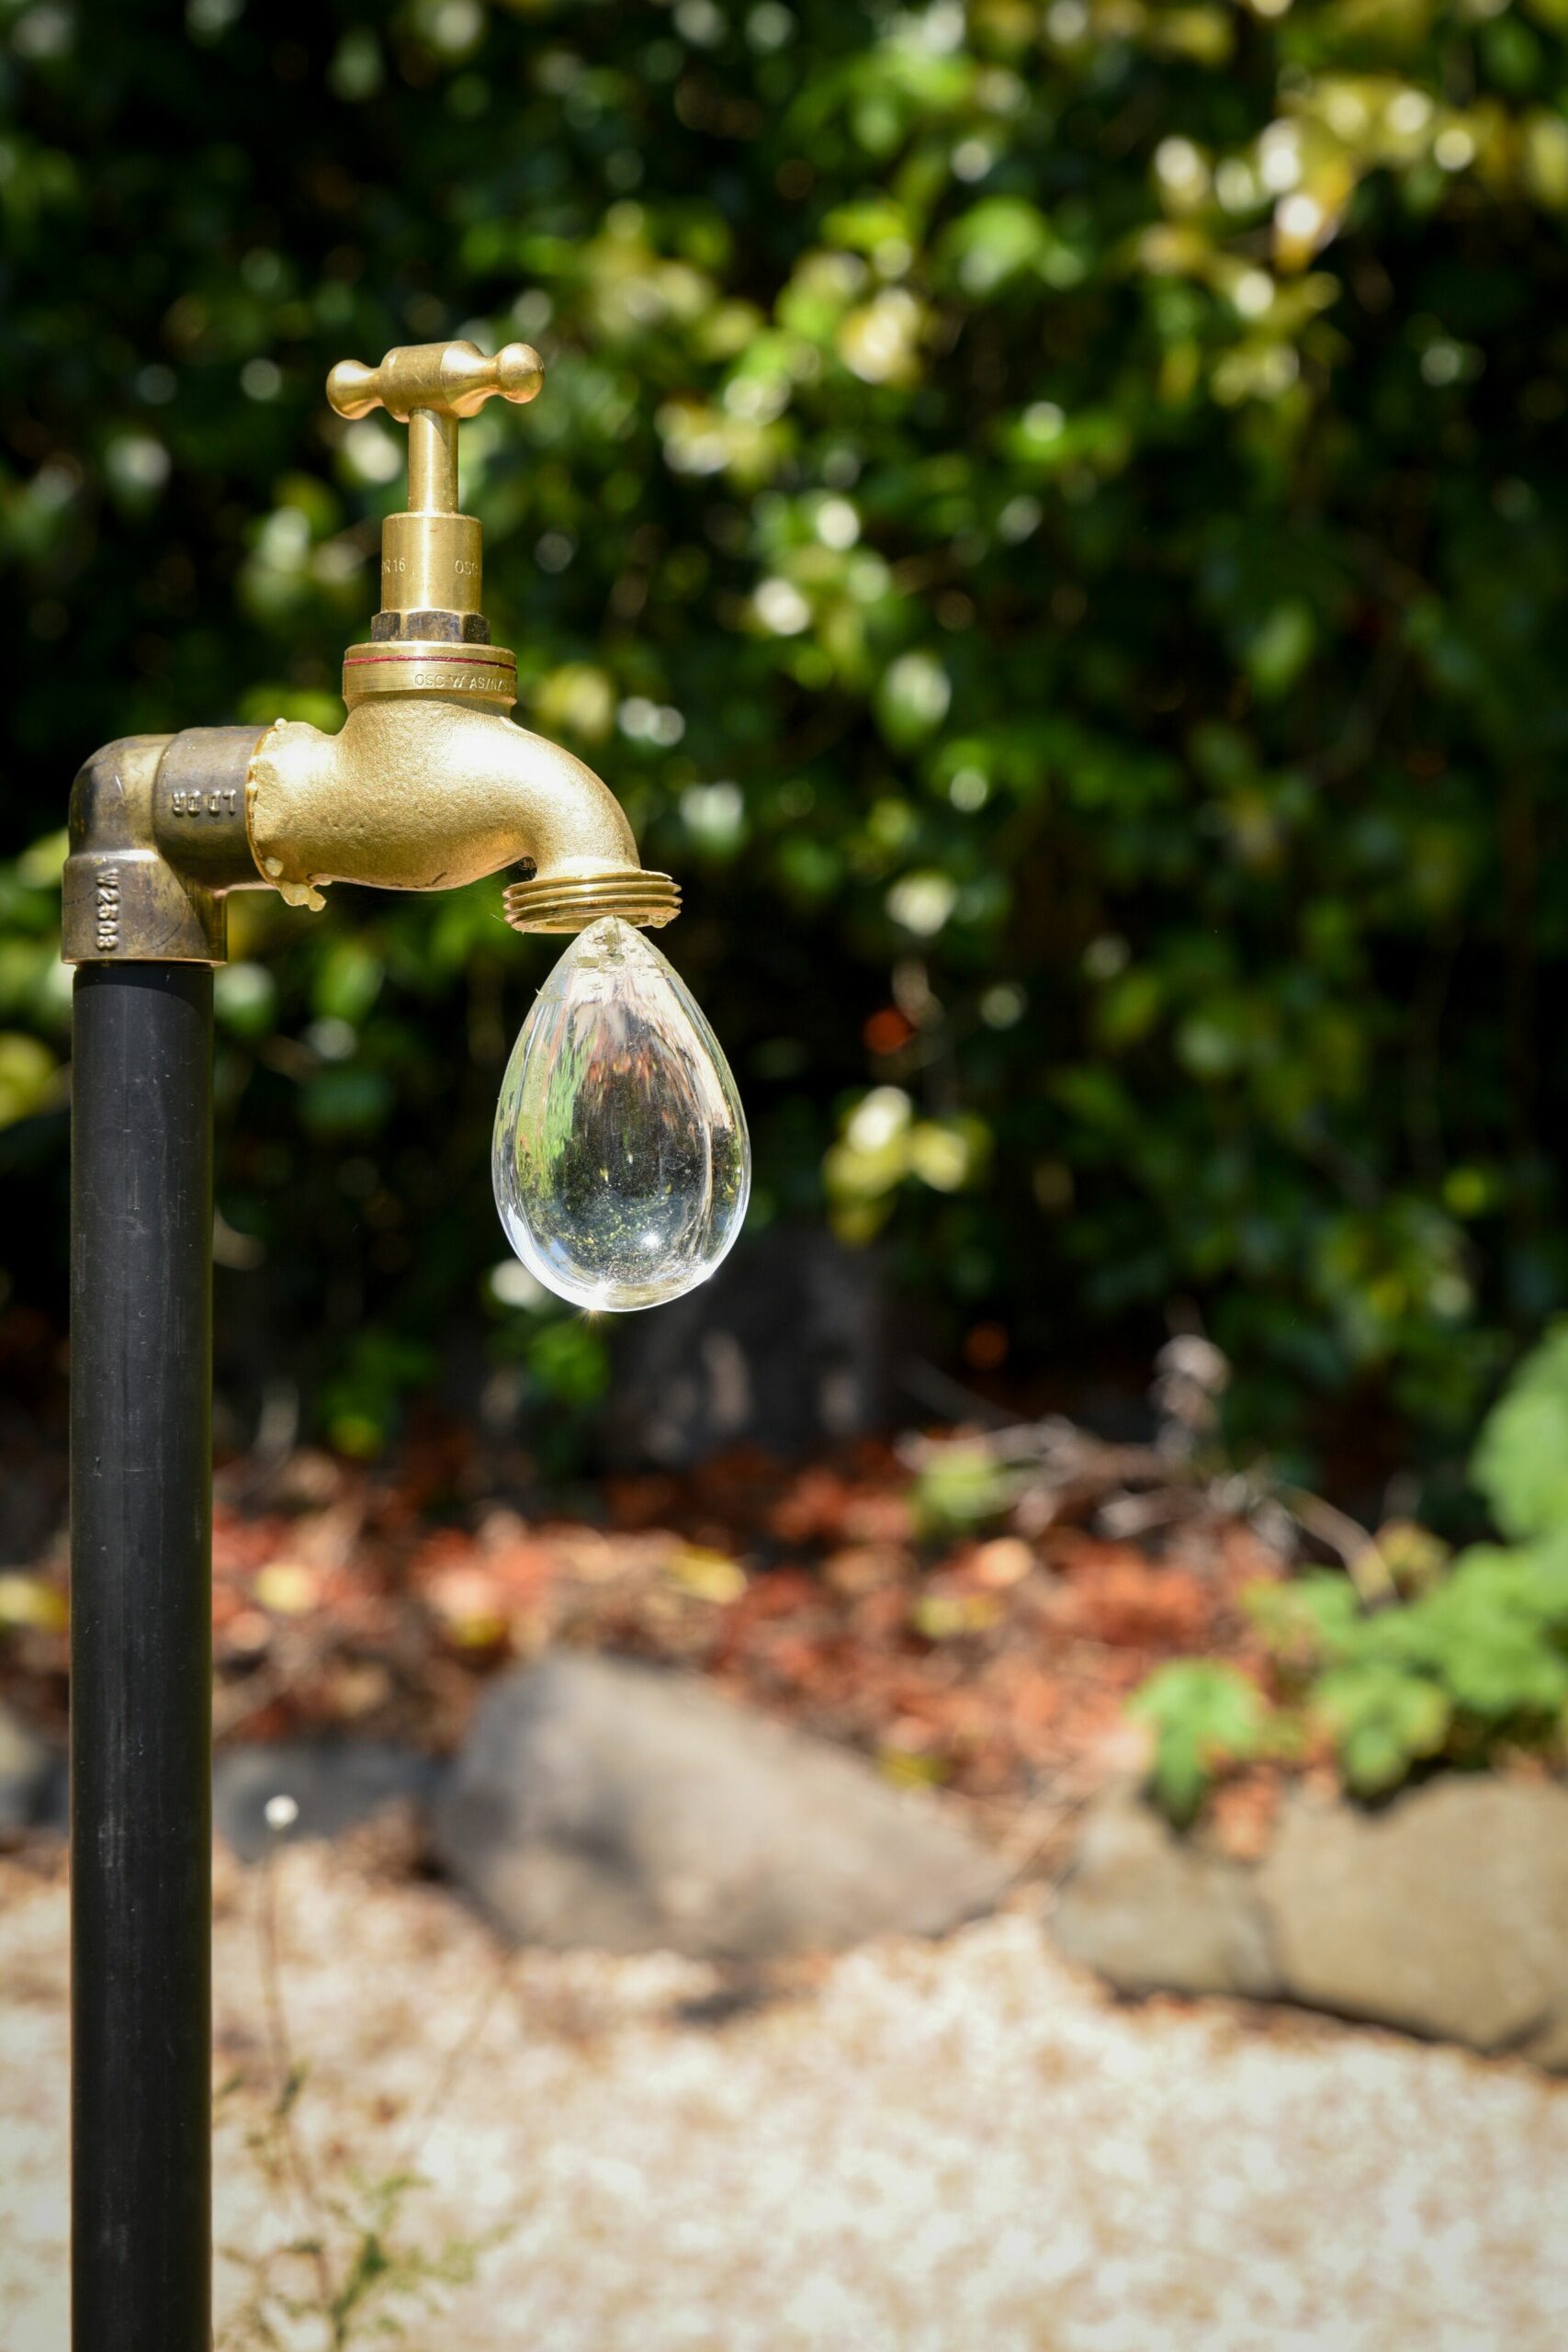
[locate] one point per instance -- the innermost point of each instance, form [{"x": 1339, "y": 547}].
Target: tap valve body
[
  {"x": 431, "y": 639},
  {"x": 430, "y": 635}
]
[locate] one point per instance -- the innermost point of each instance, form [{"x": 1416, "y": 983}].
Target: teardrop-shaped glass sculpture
[{"x": 622, "y": 1164}]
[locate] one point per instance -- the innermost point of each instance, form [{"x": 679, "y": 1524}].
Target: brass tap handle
[
  {"x": 449, "y": 379},
  {"x": 432, "y": 556}
]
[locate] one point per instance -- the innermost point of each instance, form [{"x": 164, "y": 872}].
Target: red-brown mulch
[{"x": 996, "y": 1665}]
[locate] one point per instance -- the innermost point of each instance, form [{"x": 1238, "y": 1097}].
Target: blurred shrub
[{"x": 1051, "y": 516}]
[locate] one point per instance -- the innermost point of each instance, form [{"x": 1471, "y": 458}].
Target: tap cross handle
[{"x": 447, "y": 379}]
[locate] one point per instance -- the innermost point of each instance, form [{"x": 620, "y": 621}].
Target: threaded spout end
[{"x": 571, "y": 902}]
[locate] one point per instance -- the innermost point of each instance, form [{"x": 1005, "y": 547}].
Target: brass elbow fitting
[
  {"x": 427, "y": 785},
  {"x": 159, "y": 836}
]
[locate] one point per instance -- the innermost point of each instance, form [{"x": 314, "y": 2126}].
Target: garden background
[
  {"x": 1052, "y": 519},
  {"x": 1051, "y": 516}
]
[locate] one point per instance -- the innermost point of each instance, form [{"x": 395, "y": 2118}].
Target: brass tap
[
  {"x": 432, "y": 556},
  {"x": 427, "y": 784}
]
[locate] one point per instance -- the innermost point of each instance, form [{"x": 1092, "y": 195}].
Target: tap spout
[{"x": 428, "y": 791}]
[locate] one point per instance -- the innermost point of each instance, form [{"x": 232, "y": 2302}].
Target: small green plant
[
  {"x": 1206, "y": 1717},
  {"x": 1477, "y": 1663},
  {"x": 347, "y": 2268},
  {"x": 1469, "y": 1664},
  {"x": 961, "y": 1489},
  {"x": 1381, "y": 1720},
  {"x": 349, "y": 2272}
]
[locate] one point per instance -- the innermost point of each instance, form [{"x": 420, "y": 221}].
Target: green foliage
[
  {"x": 358, "y": 1402},
  {"x": 960, "y": 1488},
  {"x": 1311, "y": 1620},
  {"x": 570, "y": 1361},
  {"x": 1521, "y": 1462},
  {"x": 360, "y": 2280},
  {"x": 1053, "y": 519},
  {"x": 1381, "y": 1719},
  {"x": 1205, "y": 1716},
  {"x": 1476, "y": 1664}
]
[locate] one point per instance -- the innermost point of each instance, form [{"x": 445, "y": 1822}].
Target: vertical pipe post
[{"x": 140, "y": 1644}]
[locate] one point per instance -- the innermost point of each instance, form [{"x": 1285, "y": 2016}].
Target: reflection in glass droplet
[{"x": 622, "y": 1164}]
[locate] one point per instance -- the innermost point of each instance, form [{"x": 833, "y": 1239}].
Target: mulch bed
[{"x": 995, "y": 1665}]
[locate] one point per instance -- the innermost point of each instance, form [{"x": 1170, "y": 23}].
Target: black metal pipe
[{"x": 141, "y": 1658}]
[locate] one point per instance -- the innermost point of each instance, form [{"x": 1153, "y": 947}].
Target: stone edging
[{"x": 1445, "y": 1914}]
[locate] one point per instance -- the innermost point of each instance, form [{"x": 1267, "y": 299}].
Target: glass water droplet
[{"x": 622, "y": 1164}]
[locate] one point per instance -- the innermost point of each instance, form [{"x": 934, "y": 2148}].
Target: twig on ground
[
  {"x": 423, "y": 2123},
  {"x": 1363, "y": 1563},
  {"x": 288, "y": 2075}
]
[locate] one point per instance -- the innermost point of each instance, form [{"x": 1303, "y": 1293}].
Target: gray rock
[
  {"x": 1153, "y": 1912},
  {"x": 28, "y": 1774},
  {"x": 597, "y": 1802},
  {"x": 787, "y": 1346},
  {"x": 335, "y": 1784},
  {"x": 1444, "y": 1915},
  {"x": 1447, "y": 1913}
]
